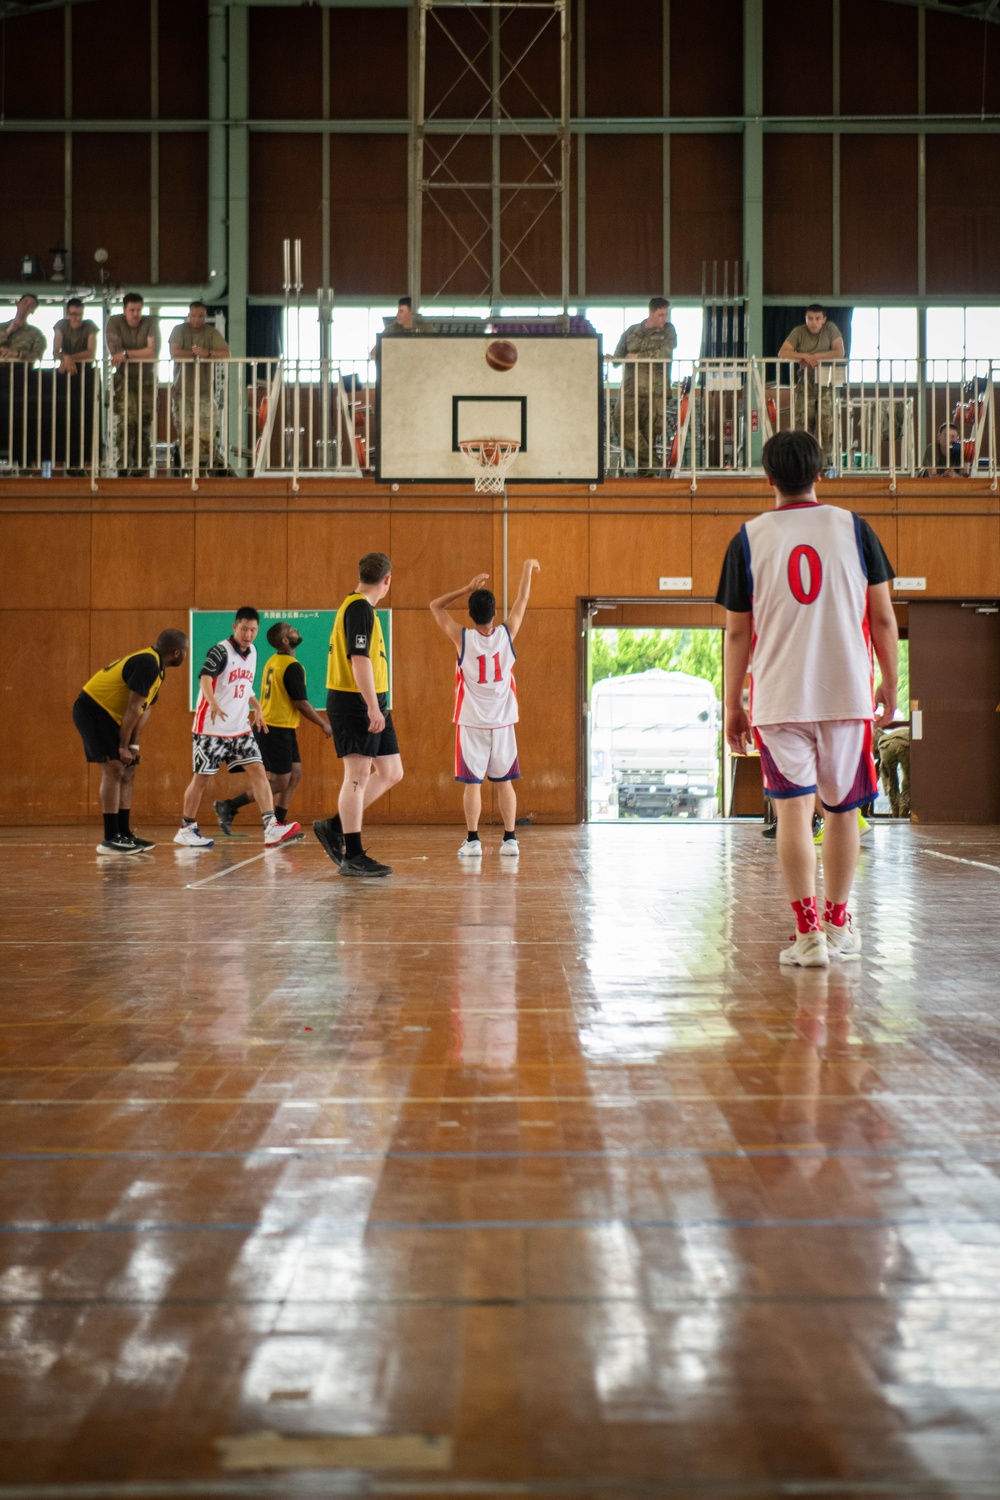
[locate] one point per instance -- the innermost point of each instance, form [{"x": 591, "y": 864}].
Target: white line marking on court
[
  {"x": 219, "y": 873},
  {"x": 958, "y": 860}
]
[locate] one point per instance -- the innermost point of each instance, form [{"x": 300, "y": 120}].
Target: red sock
[
  {"x": 807, "y": 914},
  {"x": 835, "y": 912}
]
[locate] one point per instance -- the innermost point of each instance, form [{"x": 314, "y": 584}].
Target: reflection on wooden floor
[{"x": 535, "y": 1179}]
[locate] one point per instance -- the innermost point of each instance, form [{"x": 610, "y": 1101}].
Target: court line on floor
[
  {"x": 462, "y": 1226},
  {"x": 193, "y": 886},
  {"x": 958, "y": 860}
]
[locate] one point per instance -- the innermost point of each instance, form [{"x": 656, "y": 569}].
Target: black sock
[
  {"x": 352, "y": 844},
  {"x": 123, "y": 813},
  {"x": 189, "y": 822},
  {"x": 338, "y": 826},
  {"x": 235, "y": 803},
  {"x": 110, "y": 825},
  {"x": 511, "y": 835},
  {"x": 472, "y": 837},
  {"x": 281, "y": 813}
]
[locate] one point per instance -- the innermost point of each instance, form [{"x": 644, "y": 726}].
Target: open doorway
[{"x": 654, "y": 750}]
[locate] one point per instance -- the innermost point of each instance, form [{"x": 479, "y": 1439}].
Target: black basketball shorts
[{"x": 100, "y": 733}]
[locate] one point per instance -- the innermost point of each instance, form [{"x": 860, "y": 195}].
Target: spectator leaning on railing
[
  {"x": 639, "y": 412},
  {"x": 20, "y": 340},
  {"x": 944, "y": 457},
  {"x": 405, "y": 321},
  {"x": 812, "y": 344},
  {"x": 74, "y": 338},
  {"x": 196, "y": 339},
  {"x": 133, "y": 339}
]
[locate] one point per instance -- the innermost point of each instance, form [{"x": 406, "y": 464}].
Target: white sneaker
[
  {"x": 192, "y": 838},
  {"x": 843, "y": 942},
  {"x": 509, "y": 847},
  {"x": 471, "y": 849},
  {"x": 281, "y": 833},
  {"x": 809, "y": 951}
]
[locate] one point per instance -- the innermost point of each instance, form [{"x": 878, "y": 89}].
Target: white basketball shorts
[
  {"x": 831, "y": 756},
  {"x": 486, "y": 753}
]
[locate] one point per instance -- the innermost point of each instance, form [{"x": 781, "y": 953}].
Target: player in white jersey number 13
[
  {"x": 806, "y": 593},
  {"x": 485, "y": 702}
]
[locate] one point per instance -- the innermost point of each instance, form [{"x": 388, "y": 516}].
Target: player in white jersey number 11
[{"x": 486, "y": 708}]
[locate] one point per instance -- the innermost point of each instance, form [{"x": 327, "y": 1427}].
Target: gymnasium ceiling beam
[
  {"x": 975, "y": 10},
  {"x": 631, "y": 125}
]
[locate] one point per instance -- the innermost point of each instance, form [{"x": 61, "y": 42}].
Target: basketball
[{"x": 501, "y": 355}]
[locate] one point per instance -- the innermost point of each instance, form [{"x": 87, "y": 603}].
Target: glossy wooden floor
[{"x": 540, "y": 1179}]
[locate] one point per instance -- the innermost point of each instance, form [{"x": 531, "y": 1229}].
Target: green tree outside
[{"x": 619, "y": 653}]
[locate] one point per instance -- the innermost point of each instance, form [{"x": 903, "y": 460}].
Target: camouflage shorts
[{"x": 212, "y": 751}]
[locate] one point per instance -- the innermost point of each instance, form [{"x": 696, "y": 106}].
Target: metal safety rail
[
  {"x": 192, "y": 418},
  {"x": 882, "y": 416}
]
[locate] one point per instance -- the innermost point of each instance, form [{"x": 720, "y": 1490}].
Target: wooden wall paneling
[
  {"x": 960, "y": 79},
  {"x": 285, "y": 73},
  {"x": 878, "y": 58},
  {"x": 531, "y": 221},
  {"x": 184, "y": 209},
  {"x": 447, "y": 266},
  {"x": 31, "y": 188},
  {"x": 798, "y": 65},
  {"x": 710, "y": 536},
  {"x": 624, "y": 60},
  {"x": 323, "y": 554},
  {"x": 46, "y": 561},
  {"x": 165, "y": 768},
  {"x": 286, "y": 181},
  {"x": 706, "y": 206},
  {"x": 35, "y": 91},
  {"x": 798, "y": 212},
  {"x": 111, "y": 57},
  {"x": 629, "y": 554},
  {"x": 184, "y": 60},
  {"x": 561, "y": 544},
  {"x": 672, "y": 616},
  {"x": 625, "y": 215},
  {"x": 368, "y": 213},
  {"x": 706, "y": 58},
  {"x": 878, "y": 213},
  {"x": 43, "y": 775},
  {"x": 432, "y": 554},
  {"x": 548, "y": 695},
  {"x": 241, "y": 554},
  {"x": 111, "y": 205},
  {"x": 423, "y": 701},
  {"x": 959, "y": 555},
  {"x": 963, "y": 214},
  {"x": 144, "y": 561},
  {"x": 359, "y": 91}
]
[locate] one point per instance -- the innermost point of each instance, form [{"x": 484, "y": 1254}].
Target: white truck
[{"x": 654, "y": 746}]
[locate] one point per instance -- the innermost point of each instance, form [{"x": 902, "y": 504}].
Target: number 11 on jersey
[{"x": 497, "y": 669}]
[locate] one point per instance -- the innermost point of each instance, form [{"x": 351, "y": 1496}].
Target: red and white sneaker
[
  {"x": 281, "y": 833},
  {"x": 808, "y": 951},
  {"x": 843, "y": 942}
]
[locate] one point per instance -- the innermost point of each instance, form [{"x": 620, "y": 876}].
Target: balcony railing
[{"x": 674, "y": 419}]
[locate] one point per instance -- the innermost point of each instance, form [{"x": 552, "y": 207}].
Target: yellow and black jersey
[
  {"x": 142, "y": 672},
  {"x": 357, "y": 631},
  {"x": 282, "y": 686}
]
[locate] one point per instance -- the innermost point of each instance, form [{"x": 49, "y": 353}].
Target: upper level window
[{"x": 883, "y": 344}]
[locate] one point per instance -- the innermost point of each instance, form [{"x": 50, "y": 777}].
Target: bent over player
[
  {"x": 283, "y": 704},
  {"x": 221, "y": 734},
  {"x": 806, "y": 593},
  {"x": 110, "y": 715},
  {"x": 486, "y": 703}
]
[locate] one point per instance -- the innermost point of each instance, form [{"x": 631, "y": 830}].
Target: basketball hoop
[{"x": 490, "y": 460}]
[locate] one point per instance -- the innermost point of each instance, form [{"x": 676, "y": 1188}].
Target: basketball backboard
[{"x": 433, "y": 392}]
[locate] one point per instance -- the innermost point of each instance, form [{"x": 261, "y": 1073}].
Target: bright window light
[
  {"x": 688, "y": 321},
  {"x": 982, "y": 332},
  {"x": 945, "y": 332}
]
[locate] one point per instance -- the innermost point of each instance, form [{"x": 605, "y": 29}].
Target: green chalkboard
[{"x": 208, "y": 626}]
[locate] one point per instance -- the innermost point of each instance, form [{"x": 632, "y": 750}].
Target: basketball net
[{"x": 490, "y": 460}]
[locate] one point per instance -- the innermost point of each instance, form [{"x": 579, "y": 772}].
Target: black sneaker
[
  {"x": 330, "y": 835},
  {"x": 361, "y": 865},
  {"x": 119, "y": 843},
  {"x": 224, "y": 816},
  {"x": 141, "y": 844},
  {"x": 771, "y": 831}
]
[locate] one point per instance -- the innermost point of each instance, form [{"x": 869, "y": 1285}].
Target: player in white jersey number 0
[{"x": 485, "y": 702}]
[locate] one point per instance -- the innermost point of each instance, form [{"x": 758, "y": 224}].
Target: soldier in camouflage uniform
[
  {"x": 811, "y": 345},
  {"x": 196, "y": 340},
  {"x": 133, "y": 342},
  {"x": 639, "y": 413},
  {"x": 19, "y": 341},
  {"x": 405, "y": 321}
]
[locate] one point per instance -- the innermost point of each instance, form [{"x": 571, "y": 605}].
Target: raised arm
[
  {"x": 439, "y": 608},
  {"x": 514, "y": 619},
  {"x": 885, "y": 639}
]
